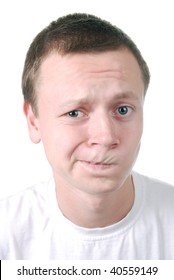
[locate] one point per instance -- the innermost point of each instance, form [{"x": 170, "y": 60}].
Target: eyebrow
[
  {"x": 87, "y": 100},
  {"x": 126, "y": 95}
]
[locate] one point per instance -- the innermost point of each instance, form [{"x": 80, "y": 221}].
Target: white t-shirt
[{"x": 33, "y": 227}]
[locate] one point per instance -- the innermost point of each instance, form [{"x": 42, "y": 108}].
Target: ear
[{"x": 33, "y": 123}]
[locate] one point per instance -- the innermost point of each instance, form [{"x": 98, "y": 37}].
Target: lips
[{"x": 96, "y": 165}]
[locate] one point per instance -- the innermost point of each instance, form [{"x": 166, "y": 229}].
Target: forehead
[{"x": 74, "y": 70}]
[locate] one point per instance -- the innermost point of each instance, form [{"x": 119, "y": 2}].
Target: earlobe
[{"x": 33, "y": 123}]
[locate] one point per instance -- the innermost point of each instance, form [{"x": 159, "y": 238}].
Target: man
[{"x": 84, "y": 85}]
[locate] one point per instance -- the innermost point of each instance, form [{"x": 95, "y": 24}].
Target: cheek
[
  {"x": 131, "y": 138},
  {"x": 61, "y": 141}
]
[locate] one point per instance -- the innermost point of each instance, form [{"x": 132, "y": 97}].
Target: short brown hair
[{"x": 75, "y": 33}]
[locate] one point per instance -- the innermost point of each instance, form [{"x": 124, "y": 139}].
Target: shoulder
[
  {"x": 25, "y": 201},
  {"x": 157, "y": 193},
  {"x": 153, "y": 184},
  {"x": 23, "y": 216}
]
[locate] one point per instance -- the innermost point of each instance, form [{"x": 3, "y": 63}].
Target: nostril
[
  {"x": 113, "y": 146},
  {"x": 109, "y": 143}
]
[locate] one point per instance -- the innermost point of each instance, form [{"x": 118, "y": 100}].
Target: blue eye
[
  {"x": 123, "y": 110},
  {"x": 74, "y": 114}
]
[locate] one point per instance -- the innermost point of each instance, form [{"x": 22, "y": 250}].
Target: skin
[{"x": 90, "y": 121}]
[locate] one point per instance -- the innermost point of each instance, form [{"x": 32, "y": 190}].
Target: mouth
[{"x": 96, "y": 165}]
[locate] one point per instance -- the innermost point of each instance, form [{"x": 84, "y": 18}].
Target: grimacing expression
[{"x": 90, "y": 117}]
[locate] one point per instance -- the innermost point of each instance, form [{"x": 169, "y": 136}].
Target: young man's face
[{"x": 90, "y": 118}]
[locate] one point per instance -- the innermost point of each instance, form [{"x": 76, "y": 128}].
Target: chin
[{"x": 101, "y": 186}]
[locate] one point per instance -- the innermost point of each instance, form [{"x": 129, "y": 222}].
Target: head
[
  {"x": 75, "y": 33},
  {"x": 84, "y": 83}
]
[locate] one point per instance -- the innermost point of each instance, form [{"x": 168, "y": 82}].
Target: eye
[
  {"x": 75, "y": 114},
  {"x": 124, "y": 110}
]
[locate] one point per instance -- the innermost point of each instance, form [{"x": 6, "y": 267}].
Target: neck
[{"x": 92, "y": 210}]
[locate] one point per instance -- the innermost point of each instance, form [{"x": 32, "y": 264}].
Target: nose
[{"x": 103, "y": 131}]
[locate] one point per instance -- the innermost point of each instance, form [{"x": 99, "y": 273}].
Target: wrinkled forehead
[{"x": 119, "y": 63}]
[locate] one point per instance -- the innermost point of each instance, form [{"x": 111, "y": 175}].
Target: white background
[{"x": 150, "y": 23}]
